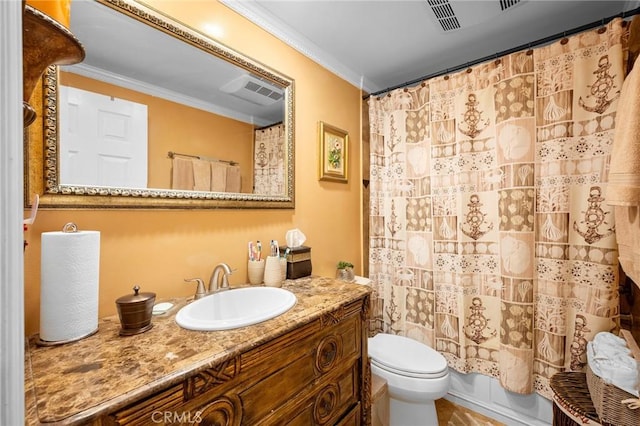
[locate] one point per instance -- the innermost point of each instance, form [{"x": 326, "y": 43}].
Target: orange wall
[
  {"x": 179, "y": 128},
  {"x": 158, "y": 249}
]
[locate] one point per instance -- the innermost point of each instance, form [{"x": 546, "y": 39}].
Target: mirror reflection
[{"x": 154, "y": 110}]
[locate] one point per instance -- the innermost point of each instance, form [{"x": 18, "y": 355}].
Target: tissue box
[{"x": 298, "y": 262}]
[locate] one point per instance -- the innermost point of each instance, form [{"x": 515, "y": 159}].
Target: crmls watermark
[{"x": 171, "y": 417}]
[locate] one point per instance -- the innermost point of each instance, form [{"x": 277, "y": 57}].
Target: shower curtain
[
  {"x": 490, "y": 236},
  {"x": 269, "y": 164}
]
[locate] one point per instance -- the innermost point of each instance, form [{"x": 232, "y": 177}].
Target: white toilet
[{"x": 416, "y": 376}]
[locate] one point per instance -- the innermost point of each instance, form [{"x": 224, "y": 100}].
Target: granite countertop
[{"x": 82, "y": 380}]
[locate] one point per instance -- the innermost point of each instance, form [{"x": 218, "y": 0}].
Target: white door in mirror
[
  {"x": 103, "y": 141},
  {"x": 235, "y": 308}
]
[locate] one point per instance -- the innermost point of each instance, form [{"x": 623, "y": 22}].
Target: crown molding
[{"x": 255, "y": 13}]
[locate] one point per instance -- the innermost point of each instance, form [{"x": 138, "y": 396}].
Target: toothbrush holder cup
[
  {"x": 255, "y": 271},
  {"x": 273, "y": 272}
]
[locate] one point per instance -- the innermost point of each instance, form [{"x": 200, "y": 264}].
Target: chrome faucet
[{"x": 214, "y": 281}]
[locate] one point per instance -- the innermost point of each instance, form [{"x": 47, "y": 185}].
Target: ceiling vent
[
  {"x": 506, "y": 4},
  {"x": 254, "y": 90},
  {"x": 445, "y": 15}
]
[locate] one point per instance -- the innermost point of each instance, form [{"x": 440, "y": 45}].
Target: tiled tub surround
[{"x": 84, "y": 381}]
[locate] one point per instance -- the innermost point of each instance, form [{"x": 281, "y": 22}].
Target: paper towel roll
[{"x": 70, "y": 270}]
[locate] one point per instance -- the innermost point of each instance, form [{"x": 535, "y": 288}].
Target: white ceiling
[
  {"x": 379, "y": 44},
  {"x": 126, "y": 52}
]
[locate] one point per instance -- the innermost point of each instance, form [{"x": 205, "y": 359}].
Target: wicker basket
[{"x": 606, "y": 400}]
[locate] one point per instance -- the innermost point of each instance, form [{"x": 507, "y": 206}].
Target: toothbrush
[
  {"x": 259, "y": 250},
  {"x": 251, "y": 251}
]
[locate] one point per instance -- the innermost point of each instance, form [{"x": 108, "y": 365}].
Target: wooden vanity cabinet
[{"x": 316, "y": 374}]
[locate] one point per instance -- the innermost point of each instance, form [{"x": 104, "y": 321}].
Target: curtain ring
[
  {"x": 469, "y": 70},
  {"x": 602, "y": 28},
  {"x": 446, "y": 77}
]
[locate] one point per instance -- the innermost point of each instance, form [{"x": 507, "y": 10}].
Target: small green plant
[{"x": 344, "y": 265}]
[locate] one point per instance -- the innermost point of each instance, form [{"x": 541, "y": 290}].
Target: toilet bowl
[{"x": 416, "y": 376}]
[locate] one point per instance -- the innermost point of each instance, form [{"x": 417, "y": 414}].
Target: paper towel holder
[
  {"x": 69, "y": 227},
  {"x": 41, "y": 342}
]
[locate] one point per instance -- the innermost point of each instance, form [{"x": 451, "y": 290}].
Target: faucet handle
[
  {"x": 225, "y": 276},
  {"x": 200, "y": 291}
]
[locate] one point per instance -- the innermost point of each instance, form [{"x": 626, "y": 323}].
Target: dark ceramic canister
[{"x": 135, "y": 312}]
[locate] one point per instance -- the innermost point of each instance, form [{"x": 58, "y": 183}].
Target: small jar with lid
[{"x": 135, "y": 311}]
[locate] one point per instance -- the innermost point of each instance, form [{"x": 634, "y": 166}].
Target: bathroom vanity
[{"x": 308, "y": 366}]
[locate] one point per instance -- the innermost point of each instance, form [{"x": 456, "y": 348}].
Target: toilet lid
[{"x": 405, "y": 356}]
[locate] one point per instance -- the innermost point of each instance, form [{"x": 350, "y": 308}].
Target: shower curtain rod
[
  {"x": 545, "y": 40},
  {"x": 269, "y": 126}
]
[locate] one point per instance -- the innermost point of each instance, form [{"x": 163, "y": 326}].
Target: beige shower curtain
[
  {"x": 269, "y": 164},
  {"x": 491, "y": 239}
]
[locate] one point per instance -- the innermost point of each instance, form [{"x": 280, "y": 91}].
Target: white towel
[
  {"x": 606, "y": 341},
  {"x": 615, "y": 366}
]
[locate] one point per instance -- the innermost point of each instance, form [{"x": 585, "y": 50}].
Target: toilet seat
[{"x": 406, "y": 357}]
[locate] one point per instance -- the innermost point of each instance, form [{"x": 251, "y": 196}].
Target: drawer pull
[
  {"x": 328, "y": 352},
  {"x": 224, "y": 411},
  {"x": 326, "y": 403}
]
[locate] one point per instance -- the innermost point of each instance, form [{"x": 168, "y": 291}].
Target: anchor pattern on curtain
[{"x": 490, "y": 236}]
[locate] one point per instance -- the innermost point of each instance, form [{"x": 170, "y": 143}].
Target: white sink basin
[{"x": 235, "y": 308}]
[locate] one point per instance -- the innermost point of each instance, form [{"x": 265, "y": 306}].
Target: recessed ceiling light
[{"x": 214, "y": 30}]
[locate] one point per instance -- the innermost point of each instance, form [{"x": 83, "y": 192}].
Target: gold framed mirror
[{"x": 196, "y": 60}]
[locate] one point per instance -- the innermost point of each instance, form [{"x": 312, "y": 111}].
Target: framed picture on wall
[{"x": 334, "y": 153}]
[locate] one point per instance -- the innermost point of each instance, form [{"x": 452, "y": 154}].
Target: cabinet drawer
[
  {"x": 352, "y": 418},
  {"x": 282, "y": 351},
  {"x": 324, "y": 404},
  {"x": 150, "y": 410},
  {"x": 301, "y": 367}
]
